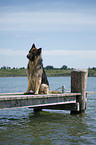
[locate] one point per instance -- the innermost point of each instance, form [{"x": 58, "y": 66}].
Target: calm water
[{"x": 22, "y": 127}]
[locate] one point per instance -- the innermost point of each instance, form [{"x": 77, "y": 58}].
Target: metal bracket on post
[{"x": 63, "y": 89}]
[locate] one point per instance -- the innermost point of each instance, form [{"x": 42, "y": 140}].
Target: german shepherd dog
[{"x": 37, "y": 79}]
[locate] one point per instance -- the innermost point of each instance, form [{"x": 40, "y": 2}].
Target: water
[{"x": 22, "y": 127}]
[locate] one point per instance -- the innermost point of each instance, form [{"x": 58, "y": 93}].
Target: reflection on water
[{"x": 22, "y": 126}]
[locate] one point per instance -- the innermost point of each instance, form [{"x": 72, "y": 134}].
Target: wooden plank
[
  {"x": 51, "y": 104},
  {"x": 28, "y": 100},
  {"x": 20, "y": 96},
  {"x": 73, "y": 106}
]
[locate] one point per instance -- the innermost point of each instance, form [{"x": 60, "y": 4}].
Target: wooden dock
[
  {"x": 75, "y": 101},
  {"x": 66, "y": 101}
]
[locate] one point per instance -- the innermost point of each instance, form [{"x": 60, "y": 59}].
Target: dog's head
[{"x": 34, "y": 53}]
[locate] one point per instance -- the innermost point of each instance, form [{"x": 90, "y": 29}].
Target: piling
[{"x": 78, "y": 85}]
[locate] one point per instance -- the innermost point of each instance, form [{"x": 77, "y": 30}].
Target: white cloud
[
  {"x": 72, "y": 58},
  {"x": 10, "y": 52},
  {"x": 91, "y": 54},
  {"x": 45, "y": 21},
  {"x": 57, "y": 58}
]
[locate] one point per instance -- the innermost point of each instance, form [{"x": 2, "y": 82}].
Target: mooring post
[{"x": 78, "y": 85}]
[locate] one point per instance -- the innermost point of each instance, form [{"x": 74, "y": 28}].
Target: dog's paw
[
  {"x": 35, "y": 93},
  {"x": 26, "y": 93},
  {"x": 29, "y": 93}
]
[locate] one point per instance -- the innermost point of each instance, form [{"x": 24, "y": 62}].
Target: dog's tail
[
  {"x": 54, "y": 92},
  {"x": 58, "y": 92}
]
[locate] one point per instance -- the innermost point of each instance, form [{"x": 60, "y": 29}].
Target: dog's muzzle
[{"x": 30, "y": 57}]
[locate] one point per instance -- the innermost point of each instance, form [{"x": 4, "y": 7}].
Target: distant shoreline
[{"x": 50, "y": 73}]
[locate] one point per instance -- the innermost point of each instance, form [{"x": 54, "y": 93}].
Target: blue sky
[{"x": 65, "y": 29}]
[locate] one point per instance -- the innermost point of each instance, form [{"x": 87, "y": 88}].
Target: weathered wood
[
  {"x": 10, "y": 101},
  {"x": 72, "y": 105},
  {"x": 75, "y": 101},
  {"x": 78, "y": 85}
]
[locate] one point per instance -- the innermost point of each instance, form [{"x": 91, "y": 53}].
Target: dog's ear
[
  {"x": 39, "y": 50},
  {"x": 33, "y": 46}
]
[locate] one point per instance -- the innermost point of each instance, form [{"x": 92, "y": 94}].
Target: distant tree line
[
  {"x": 7, "y": 67},
  {"x": 64, "y": 67},
  {"x": 49, "y": 67},
  {"x": 93, "y": 68}
]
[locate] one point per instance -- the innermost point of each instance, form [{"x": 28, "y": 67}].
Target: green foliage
[
  {"x": 64, "y": 67},
  {"x": 49, "y": 67},
  {"x": 13, "y": 72},
  {"x": 50, "y": 71},
  {"x": 92, "y": 72},
  {"x": 58, "y": 73}
]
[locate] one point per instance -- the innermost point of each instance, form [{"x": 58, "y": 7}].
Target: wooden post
[
  {"x": 78, "y": 85},
  {"x": 36, "y": 110}
]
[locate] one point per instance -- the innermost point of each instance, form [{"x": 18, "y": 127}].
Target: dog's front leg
[
  {"x": 29, "y": 86},
  {"x": 37, "y": 87}
]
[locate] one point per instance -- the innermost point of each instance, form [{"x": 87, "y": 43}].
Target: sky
[{"x": 64, "y": 29}]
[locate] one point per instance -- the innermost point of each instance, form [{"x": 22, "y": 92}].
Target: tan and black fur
[{"x": 37, "y": 79}]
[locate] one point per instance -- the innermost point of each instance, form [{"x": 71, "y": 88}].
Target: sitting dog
[{"x": 37, "y": 79}]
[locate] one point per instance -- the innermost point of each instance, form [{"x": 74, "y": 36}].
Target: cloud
[
  {"x": 91, "y": 54},
  {"x": 10, "y": 52},
  {"x": 79, "y": 54},
  {"x": 57, "y": 58},
  {"x": 46, "y": 21},
  {"x": 72, "y": 58}
]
